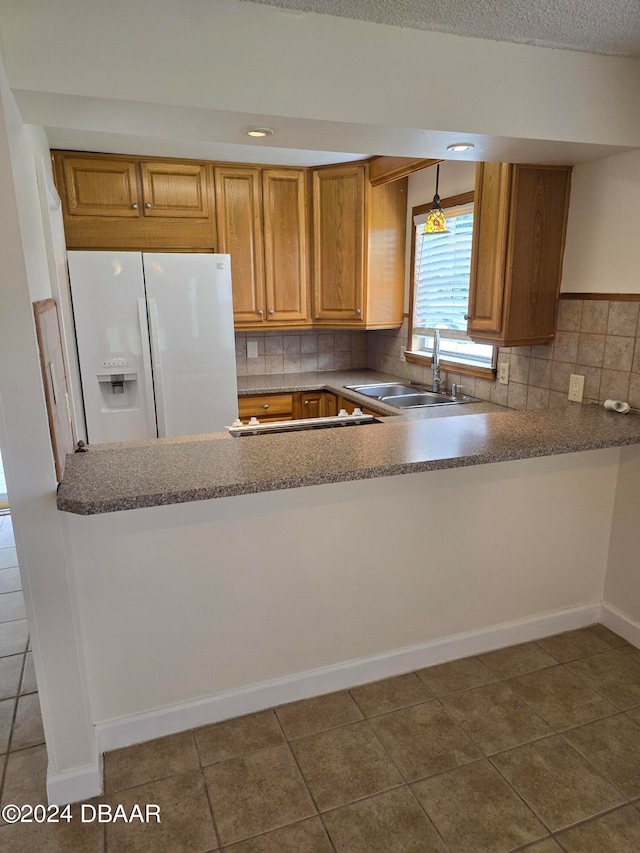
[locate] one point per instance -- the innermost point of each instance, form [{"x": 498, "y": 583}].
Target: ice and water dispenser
[{"x": 118, "y": 386}]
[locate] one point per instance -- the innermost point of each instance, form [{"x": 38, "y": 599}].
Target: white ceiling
[{"x": 594, "y": 26}]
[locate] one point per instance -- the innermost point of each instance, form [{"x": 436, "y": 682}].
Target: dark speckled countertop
[{"x": 139, "y": 474}]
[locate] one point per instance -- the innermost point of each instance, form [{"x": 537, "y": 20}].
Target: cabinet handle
[
  {"x": 260, "y": 313},
  {"x": 271, "y": 311},
  {"x": 306, "y": 402},
  {"x": 134, "y": 206},
  {"x": 358, "y": 311},
  {"x": 467, "y": 316},
  {"x": 266, "y": 406},
  {"x": 147, "y": 204}
]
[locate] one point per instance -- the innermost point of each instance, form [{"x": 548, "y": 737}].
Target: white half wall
[
  {"x": 602, "y": 253},
  {"x": 622, "y": 588},
  {"x": 181, "y": 603}
]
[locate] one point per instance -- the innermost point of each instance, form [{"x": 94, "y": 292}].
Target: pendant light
[{"x": 436, "y": 223}]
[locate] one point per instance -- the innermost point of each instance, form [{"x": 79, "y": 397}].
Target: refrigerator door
[
  {"x": 109, "y": 310},
  {"x": 193, "y": 343}
]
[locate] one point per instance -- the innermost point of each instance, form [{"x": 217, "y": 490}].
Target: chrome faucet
[{"x": 435, "y": 362}]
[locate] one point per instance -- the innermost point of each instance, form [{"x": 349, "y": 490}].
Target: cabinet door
[
  {"x": 175, "y": 190},
  {"x": 238, "y": 207},
  {"x": 100, "y": 187},
  {"x": 338, "y": 240},
  {"x": 285, "y": 245},
  {"x": 488, "y": 253},
  {"x": 312, "y": 404}
]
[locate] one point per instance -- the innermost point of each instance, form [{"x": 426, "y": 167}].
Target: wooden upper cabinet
[
  {"x": 174, "y": 189},
  {"x": 96, "y": 187},
  {"x": 338, "y": 243},
  {"x": 263, "y": 224},
  {"x": 285, "y": 245},
  {"x": 116, "y": 202},
  {"x": 239, "y": 208},
  {"x": 516, "y": 260}
]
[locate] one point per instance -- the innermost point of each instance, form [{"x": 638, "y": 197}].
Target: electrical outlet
[
  {"x": 252, "y": 349},
  {"x": 576, "y": 387},
  {"x": 503, "y": 373}
]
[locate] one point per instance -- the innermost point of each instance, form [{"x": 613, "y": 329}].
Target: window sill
[{"x": 452, "y": 366}]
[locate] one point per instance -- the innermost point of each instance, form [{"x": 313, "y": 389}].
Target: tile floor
[{"x": 535, "y": 747}]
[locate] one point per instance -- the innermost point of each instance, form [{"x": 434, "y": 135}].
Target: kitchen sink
[{"x": 408, "y": 396}]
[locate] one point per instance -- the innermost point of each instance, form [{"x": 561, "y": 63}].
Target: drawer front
[{"x": 263, "y": 406}]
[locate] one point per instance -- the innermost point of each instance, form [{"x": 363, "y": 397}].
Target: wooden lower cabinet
[
  {"x": 290, "y": 406},
  {"x": 349, "y": 406}
]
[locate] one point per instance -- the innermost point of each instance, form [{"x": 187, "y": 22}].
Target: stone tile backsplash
[
  {"x": 301, "y": 351},
  {"x": 598, "y": 339}
]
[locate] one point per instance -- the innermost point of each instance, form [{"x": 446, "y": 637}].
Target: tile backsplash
[
  {"x": 301, "y": 351},
  {"x": 596, "y": 338}
]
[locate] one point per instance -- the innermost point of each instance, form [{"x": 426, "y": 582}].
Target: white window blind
[
  {"x": 441, "y": 289},
  {"x": 443, "y": 264}
]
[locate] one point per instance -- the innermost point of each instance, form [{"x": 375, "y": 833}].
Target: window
[{"x": 442, "y": 264}]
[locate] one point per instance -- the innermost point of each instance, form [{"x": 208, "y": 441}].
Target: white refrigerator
[{"x": 156, "y": 344}]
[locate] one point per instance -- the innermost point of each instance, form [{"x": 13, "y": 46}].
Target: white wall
[
  {"x": 27, "y": 455},
  {"x": 183, "y": 602},
  {"x": 247, "y": 58},
  {"x": 602, "y": 253},
  {"x": 622, "y": 589}
]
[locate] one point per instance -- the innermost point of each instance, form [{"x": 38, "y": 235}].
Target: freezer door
[
  {"x": 192, "y": 340},
  {"x": 109, "y": 310}
]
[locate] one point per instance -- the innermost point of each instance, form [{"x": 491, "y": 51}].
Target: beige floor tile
[
  {"x": 317, "y": 714},
  {"x": 616, "y": 832},
  {"x": 456, "y": 675},
  {"x": 547, "y": 845},
  {"x": 29, "y": 684},
  {"x": 345, "y": 764},
  {"x": 516, "y": 660},
  {"x": 616, "y": 675},
  {"x": 239, "y": 736},
  {"x": 8, "y": 558},
  {"x": 27, "y": 729},
  {"x": 185, "y": 819},
  {"x": 12, "y": 607},
  {"x": 561, "y": 698},
  {"x": 424, "y": 740},
  {"x": 474, "y": 809},
  {"x": 614, "y": 640},
  {"x": 62, "y": 837},
  {"x": 13, "y": 637},
  {"x": 557, "y": 782},
  {"x": 10, "y": 670},
  {"x": 390, "y": 694},
  {"x": 574, "y": 644},
  {"x": 6, "y": 718},
  {"x": 149, "y": 761},
  {"x": 308, "y": 836},
  {"x": 25, "y": 777},
  {"x": 613, "y": 747},
  {"x": 10, "y": 580},
  {"x": 257, "y": 793},
  {"x": 392, "y": 822},
  {"x": 495, "y": 717}
]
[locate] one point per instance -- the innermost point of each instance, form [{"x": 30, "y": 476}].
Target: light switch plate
[
  {"x": 503, "y": 373},
  {"x": 252, "y": 349}
]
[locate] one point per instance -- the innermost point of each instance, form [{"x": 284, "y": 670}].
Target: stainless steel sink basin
[
  {"x": 409, "y": 396},
  {"x": 384, "y": 389}
]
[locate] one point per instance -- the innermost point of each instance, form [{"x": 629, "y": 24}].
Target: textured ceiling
[{"x": 595, "y": 26}]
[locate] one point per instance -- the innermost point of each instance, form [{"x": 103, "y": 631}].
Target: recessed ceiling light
[
  {"x": 259, "y": 132},
  {"x": 460, "y": 146}
]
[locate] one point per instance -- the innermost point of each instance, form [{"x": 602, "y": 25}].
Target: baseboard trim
[
  {"x": 74, "y": 786},
  {"x": 622, "y": 624},
  {"x": 136, "y": 728}
]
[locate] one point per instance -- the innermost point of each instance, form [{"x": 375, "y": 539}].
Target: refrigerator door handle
[
  {"x": 146, "y": 365},
  {"x": 157, "y": 368}
]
